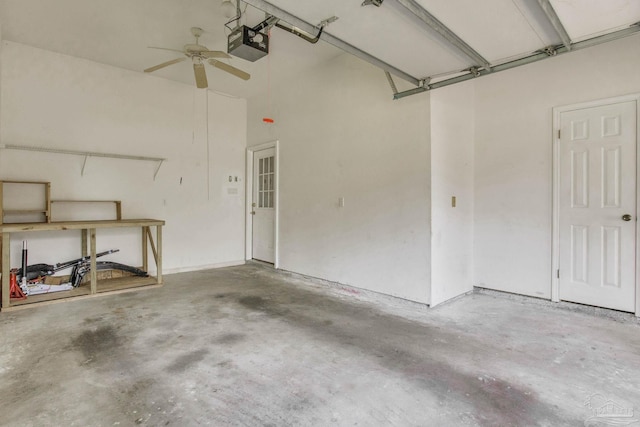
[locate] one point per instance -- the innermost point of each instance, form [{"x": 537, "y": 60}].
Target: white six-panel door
[
  {"x": 597, "y": 206},
  {"x": 263, "y": 205}
]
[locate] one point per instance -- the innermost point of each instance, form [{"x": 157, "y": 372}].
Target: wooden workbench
[{"x": 88, "y": 229}]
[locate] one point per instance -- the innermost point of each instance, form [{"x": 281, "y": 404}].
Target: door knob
[{"x": 626, "y": 217}]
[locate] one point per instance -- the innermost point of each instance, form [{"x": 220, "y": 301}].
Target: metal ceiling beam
[
  {"x": 305, "y": 26},
  {"x": 553, "y": 18},
  {"x": 448, "y": 36},
  {"x": 634, "y": 29}
]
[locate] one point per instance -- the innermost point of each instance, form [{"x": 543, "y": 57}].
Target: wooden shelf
[
  {"x": 117, "y": 203},
  {"x": 107, "y": 286},
  {"x": 78, "y": 225},
  {"x": 24, "y": 211},
  {"x": 94, "y": 287},
  {"x": 8, "y": 181},
  {"x": 34, "y": 299},
  {"x": 129, "y": 282},
  {"x": 46, "y": 203}
]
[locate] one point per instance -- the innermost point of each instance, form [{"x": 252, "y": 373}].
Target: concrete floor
[{"x": 248, "y": 346}]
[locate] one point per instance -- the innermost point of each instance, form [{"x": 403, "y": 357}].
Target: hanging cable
[
  {"x": 208, "y": 148},
  {"x": 238, "y": 16}
]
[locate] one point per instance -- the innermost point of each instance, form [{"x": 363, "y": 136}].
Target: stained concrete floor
[{"x": 248, "y": 346}]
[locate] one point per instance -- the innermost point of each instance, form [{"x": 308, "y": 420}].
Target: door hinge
[
  {"x": 558, "y": 133},
  {"x": 558, "y": 273}
]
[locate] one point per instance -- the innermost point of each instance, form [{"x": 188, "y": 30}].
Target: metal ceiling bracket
[
  {"x": 268, "y": 22},
  {"x": 340, "y": 44},
  {"x": 537, "y": 56},
  {"x": 550, "y": 50},
  {"x": 475, "y": 71},
  {"x": 327, "y": 21},
  {"x": 376, "y": 3},
  {"x": 553, "y": 18},
  {"x": 444, "y": 32},
  {"x": 302, "y": 35}
]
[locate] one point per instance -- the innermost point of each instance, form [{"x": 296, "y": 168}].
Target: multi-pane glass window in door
[{"x": 266, "y": 182}]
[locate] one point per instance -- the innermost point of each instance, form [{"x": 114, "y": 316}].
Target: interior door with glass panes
[{"x": 263, "y": 205}]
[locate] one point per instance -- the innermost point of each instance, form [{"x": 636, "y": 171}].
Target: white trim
[
  {"x": 555, "y": 203},
  {"x": 249, "y": 198},
  {"x": 555, "y": 248}
]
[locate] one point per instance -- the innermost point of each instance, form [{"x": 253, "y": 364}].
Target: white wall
[
  {"x": 513, "y": 157},
  {"x": 52, "y": 100},
  {"x": 452, "y": 147},
  {"x": 342, "y": 135}
]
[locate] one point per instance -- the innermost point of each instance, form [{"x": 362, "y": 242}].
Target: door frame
[
  {"x": 555, "y": 250},
  {"x": 249, "y": 199}
]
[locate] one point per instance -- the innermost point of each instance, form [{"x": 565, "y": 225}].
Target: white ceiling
[{"x": 118, "y": 33}]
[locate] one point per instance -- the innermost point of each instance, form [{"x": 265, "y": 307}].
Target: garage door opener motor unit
[{"x": 248, "y": 43}]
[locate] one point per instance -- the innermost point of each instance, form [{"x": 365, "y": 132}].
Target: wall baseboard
[{"x": 203, "y": 267}]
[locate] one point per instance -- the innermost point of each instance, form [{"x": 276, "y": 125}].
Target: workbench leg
[
  {"x": 94, "y": 273},
  {"x": 47, "y": 198},
  {"x": 6, "y": 267},
  {"x": 159, "y": 257},
  {"x": 83, "y": 244},
  {"x": 145, "y": 249}
]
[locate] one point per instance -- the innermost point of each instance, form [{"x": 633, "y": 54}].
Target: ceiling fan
[{"x": 199, "y": 54}]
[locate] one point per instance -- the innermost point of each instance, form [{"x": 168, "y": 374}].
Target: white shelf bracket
[
  {"x": 158, "y": 169},
  {"x": 83, "y": 165}
]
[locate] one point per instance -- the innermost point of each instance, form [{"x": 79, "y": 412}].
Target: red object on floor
[{"x": 14, "y": 290}]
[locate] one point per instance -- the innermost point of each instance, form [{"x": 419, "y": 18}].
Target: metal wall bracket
[
  {"x": 158, "y": 169},
  {"x": 84, "y": 163}
]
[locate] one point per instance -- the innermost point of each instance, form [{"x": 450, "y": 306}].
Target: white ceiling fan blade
[
  {"x": 214, "y": 54},
  {"x": 164, "y": 64},
  {"x": 166, "y": 48},
  {"x": 201, "y": 76},
  {"x": 230, "y": 69}
]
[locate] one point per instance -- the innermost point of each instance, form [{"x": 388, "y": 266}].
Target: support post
[
  {"x": 84, "y": 250},
  {"x": 153, "y": 246},
  {"x": 6, "y": 266},
  {"x": 1, "y": 203},
  {"x": 145, "y": 249},
  {"x": 47, "y": 198},
  {"x": 159, "y": 254},
  {"x": 93, "y": 273}
]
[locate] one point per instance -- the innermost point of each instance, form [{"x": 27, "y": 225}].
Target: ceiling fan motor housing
[{"x": 246, "y": 43}]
